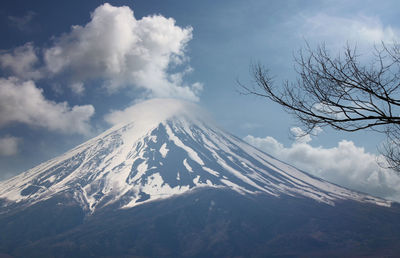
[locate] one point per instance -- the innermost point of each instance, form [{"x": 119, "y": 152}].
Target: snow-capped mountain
[
  {"x": 163, "y": 148},
  {"x": 164, "y": 181}
]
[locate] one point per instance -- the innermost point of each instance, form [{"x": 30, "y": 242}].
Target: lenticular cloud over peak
[{"x": 157, "y": 110}]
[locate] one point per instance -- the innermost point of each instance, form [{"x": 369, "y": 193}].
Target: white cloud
[
  {"x": 337, "y": 30},
  {"x": 23, "y": 102},
  {"x": 345, "y": 164},
  {"x": 123, "y": 51},
  {"x": 300, "y": 135},
  {"x": 21, "y": 62},
  {"x": 9, "y": 145},
  {"x": 156, "y": 110},
  {"x": 78, "y": 88}
]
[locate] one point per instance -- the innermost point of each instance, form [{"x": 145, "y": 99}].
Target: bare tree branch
[{"x": 341, "y": 92}]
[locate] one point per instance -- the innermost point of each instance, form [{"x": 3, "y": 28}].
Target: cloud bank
[
  {"x": 21, "y": 62},
  {"x": 124, "y": 52},
  {"x": 23, "y": 102},
  {"x": 114, "y": 50},
  {"x": 346, "y": 164}
]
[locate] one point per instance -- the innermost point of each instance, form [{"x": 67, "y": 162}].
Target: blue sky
[{"x": 65, "y": 65}]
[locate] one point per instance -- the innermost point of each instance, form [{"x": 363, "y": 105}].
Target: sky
[{"x": 65, "y": 66}]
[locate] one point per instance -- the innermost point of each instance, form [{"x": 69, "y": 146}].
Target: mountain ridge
[
  {"x": 172, "y": 184},
  {"x": 165, "y": 148}
]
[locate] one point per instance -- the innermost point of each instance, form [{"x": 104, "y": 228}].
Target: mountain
[
  {"x": 158, "y": 155},
  {"x": 166, "y": 181}
]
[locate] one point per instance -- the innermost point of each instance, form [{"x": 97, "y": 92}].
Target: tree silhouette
[{"x": 341, "y": 92}]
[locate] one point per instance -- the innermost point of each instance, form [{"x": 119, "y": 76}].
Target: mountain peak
[{"x": 160, "y": 148}]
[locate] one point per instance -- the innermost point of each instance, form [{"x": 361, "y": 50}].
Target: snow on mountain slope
[{"x": 166, "y": 148}]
